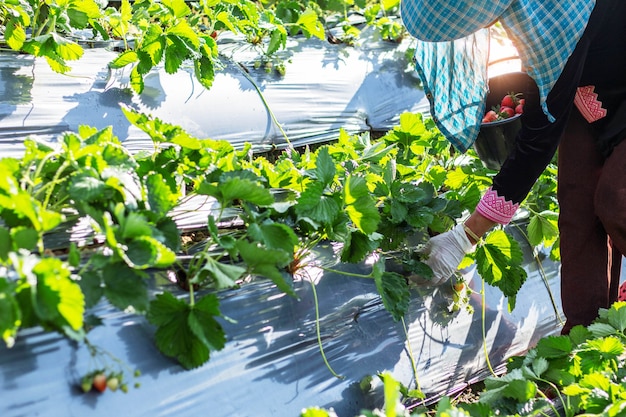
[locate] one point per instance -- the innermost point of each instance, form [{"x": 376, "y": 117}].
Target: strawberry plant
[{"x": 381, "y": 197}]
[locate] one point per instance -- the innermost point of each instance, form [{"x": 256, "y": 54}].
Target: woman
[{"x": 574, "y": 51}]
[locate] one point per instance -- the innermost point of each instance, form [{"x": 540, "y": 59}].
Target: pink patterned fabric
[
  {"x": 496, "y": 208},
  {"x": 587, "y": 103}
]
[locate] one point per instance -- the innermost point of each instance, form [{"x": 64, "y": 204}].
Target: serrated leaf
[
  {"x": 67, "y": 49},
  {"x": 204, "y": 71},
  {"x": 90, "y": 283},
  {"x": 14, "y": 34},
  {"x": 203, "y": 324},
  {"x": 360, "y": 205},
  {"x": 395, "y": 293},
  {"x": 543, "y": 227},
  {"x": 601, "y": 329},
  {"x": 539, "y": 366},
  {"x": 357, "y": 247},
  {"x": 617, "y": 315},
  {"x": 223, "y": 275},
  {"x": 311, "y": 24},
  {"x": 277, "y": 236},
  {"x": 125, "y": 287},
  {"x": 267, "y": 263},
  {"x": 243, "y": 189},
  {"x": 136, "y": 80},
  {"x": 313, "y": 204},
  {"x": 123, "y": 59},
  {"x": 146, "y": 252},
  {"x": 278, "y": 39},
  {"x": 174, "y": 336},
  {"x": 325, "y": 168},
  {"x": 60, "y": 300},
  {"x": 552, "y": 347},
  {"x": 498, "y": 262},
  {"x": 160, "y": 196},
  {"x": 521, "y": 390},
  {"x": 178, "y": 8},
  {"x": 183, "y": 30}
]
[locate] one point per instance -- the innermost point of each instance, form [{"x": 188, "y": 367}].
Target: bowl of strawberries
[{"x": 501, "y": 121}]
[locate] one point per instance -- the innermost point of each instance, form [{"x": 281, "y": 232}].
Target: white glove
[{"x": 445, "y": 253}]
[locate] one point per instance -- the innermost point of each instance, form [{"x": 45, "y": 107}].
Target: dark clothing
[
  {"x": 599, "y": 60},
  {"x": 592, "y": 164},
  {"x": 591, "y": 192}
]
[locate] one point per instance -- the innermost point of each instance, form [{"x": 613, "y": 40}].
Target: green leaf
[
  {"x": 311, "y": 24},
  {"x": 5, "y": 243},
  {"x": 325, "y": 168},
  {"x": 24, "y": 238},
  {"x": 183, "y": 332},
  {"x": 360, "y": 205},
  {"x": 90, "y": 283},
  {"x": 617, "y": 315},
  {"x": 87, "y": 188},
  {"x": 10, "y": 314},
  {"x": 223, "y": 275},
  {"x": 146, "y": 252},
  {"x": 267, "y": 263},
  {"x": 357, "y": 247},
  {"x": 14, "y": 34},
  {"x": 234, "y": 189},
  {"x": 395, "y": 293},
  {"x": 178, "y": 7},
  {"x": 205, "y": 71},
  {"x": 123, "y": 59},
  {"x": 160, "y": 196},
  {"x": 552, "y": 347},
  {"x": 60, "y": 300},
  {"x": 276, "y": 236},
  {"x": 543, "y": 227},
  {"x": 520, "y": 390},
  {"x": 67, "y": 49},
  {"x": 136, "y": 80},
  {"x": 183, "y": 30},
  {"x": 125, "y": 287},
  {"x": 498, "y": 262},
  {"x": 203, "y": 324},
  {"x": 601, "y": 329},
  {"x": 313, "y": 204}
]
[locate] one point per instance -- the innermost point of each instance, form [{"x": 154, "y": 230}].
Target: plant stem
[
  {"x": 484, "y": 332},
  {"x": 350, "y": 274},
  {"x": 543, "y": 275},
  {"x": 269, "y": 110},
  {"x": 412, "y": 359},
  {"x": 319, "y": 337}
]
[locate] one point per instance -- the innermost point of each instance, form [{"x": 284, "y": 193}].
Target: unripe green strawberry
[
  {"x": 85, "y": 384},
  {"x": 113, "y": 382}
]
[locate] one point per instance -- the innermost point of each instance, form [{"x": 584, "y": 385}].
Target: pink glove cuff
[{"x": 496, "y": 208}]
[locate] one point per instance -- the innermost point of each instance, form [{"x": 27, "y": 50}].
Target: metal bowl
[{"x": 496, "y": 140}]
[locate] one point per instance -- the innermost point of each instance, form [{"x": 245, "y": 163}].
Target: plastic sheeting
[
  {"x": 271, "y": 364},
  {"x": 326, "y": 87}
]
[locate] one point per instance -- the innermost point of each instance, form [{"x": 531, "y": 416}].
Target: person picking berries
[{"x": 575, "y": 102}]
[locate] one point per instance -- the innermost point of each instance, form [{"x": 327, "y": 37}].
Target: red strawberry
[
  {"x": 508, "y": 101},
  {"x": 507, "y": 112},
  {"x": 100, "y": 382},
  {"x": 519, "y": 109},
  {"x": 490, "y": 116}
]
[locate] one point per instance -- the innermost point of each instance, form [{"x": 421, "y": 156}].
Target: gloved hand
[{"x": 445, "y": 253}]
